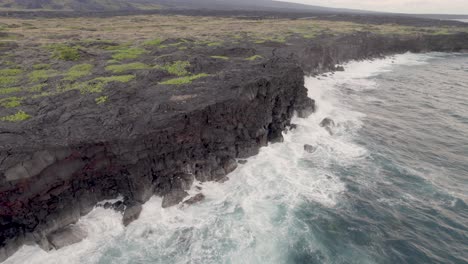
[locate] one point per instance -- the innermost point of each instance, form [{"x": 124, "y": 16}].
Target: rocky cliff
[{"x": 56, "y": 167}]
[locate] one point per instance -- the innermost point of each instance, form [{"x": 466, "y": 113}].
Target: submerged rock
[
  {"x": 132, "y": 212},
  {"x": 328, "y": 124},
  {"x": 339, "y": 68},
  {"x": 195, "y": 199},
  {"x": 66, "y": 236},
  {"x": 309, "y": 148},
  {"x": 173, "y": 198}
]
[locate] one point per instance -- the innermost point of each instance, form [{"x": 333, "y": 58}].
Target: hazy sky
[{"x": 400, "y": 6}]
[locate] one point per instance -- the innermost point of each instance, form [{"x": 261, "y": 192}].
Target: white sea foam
[{"x": 248, "y": 219}]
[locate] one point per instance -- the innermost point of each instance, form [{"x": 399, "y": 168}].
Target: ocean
[{"x": 389, "y": 185}]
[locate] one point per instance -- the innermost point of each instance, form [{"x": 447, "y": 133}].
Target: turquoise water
[{"x": 389, "y": 186}]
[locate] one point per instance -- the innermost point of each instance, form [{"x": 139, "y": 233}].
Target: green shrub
[
  {"x": 220, "y": 57},
  {"x": 128, "y": 53},
  {"x": 101, "y": 99},
  {"x": 185, "y": 80},
  {"x": 78, "y": 71},
  {"x": 177, "y": 68},
  {"x": 19, "y": 116},
  {"x": 11, "y": 102},
  {"x": 127, "y": 67},
  {"x": 65, "y": 52}
]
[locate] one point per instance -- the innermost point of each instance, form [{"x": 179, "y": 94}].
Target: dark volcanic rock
[
  {"x": 132, "y": 212},
  {"x": 309, "y": 148},
  {"x": 195, "y": 199},
  {"x": 153, "y": 139},
  {"x": 66, "y": 236},
  {"x": 328, "y": 124},
  {"x": 173, "y": 198}
]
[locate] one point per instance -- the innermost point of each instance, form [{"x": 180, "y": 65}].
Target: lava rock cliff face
[{"x": 56, "y": 168}]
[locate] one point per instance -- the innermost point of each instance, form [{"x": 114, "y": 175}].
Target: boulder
[
  {"x": 132, "y": 212},
  {"x": 309, "y": 148},
  {"x": 66, "y": 236},
  {"x": 173, "y": 198},
  {"x": 195, "y": 199},
  {"x": 328, "y": 124}
]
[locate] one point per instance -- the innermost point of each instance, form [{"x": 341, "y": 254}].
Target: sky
[{"x": 399, "y": 6}]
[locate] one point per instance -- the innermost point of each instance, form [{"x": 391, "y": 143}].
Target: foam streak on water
[{"x": 350, "y": 201}]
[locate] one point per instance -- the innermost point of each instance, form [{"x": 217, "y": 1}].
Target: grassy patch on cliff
[
  {"x": 185, "y": 79},
  {"x": 41, "y": 75},
  {"x": 101, "y": 100},
  {"x": 11, "y": 102},
  {"x": 178, "y": 68},
  {"x": 78, "y": 71},
  {"x": 220, "y": 57},
  {"x": 9, "y": 90},
  {"x": 128, "y": 53},
  {"x": 64, "y": 52},
  {"x": 18, "y": 117},
  {"x": 254, "y": 57},
  {"x": 127, "y": 67},
  {"x": 9, "y": 77},
  {"x": 153, "y": 42}
]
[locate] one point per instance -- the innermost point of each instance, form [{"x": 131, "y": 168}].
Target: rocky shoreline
[{"x": 56, "y": 168}]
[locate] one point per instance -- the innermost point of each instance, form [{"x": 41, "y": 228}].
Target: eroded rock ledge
[{"x": 55, "y": 168}]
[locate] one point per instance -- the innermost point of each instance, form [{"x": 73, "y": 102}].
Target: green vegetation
[
  {"x": 101, "y": 99},
  {"x": 41, "y": 75},
  {"x": 43, "y": 94},
  {"x": 96, "y": 85},
  {"x": 78, "y": 71},
  {"x": 220, "y": 57},
  {"x": 11, "y": 102},
  {"x": 10, "y": 72},
  {"x": 85, "y": 87},
  {"x": 19, "y": 116},
  {"x": 177, "y": 68},
  {"x": 128, "y": 53},
  {"x": 41, "y": 66},
  {"x": 127, "y": 67},
  {"x": 37, "y": 88},
  {"x": 214, "y": 44},
  {"x": 153, "y": 42},
  {"x": 65, "y": 52},
  {"x": 185, "y": 80},
  {"x": 10, "y": 90},
  {"x": 116, "y": 78},
  {"x": 9, "y": 77},
  {"x": 8, "y": 80},
  {"x": 254, "y": 57}
]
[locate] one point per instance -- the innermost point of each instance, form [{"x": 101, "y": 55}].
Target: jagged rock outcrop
[
  {"x": 54, "y": 171},
  {"x": 56, "y": 167}
]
